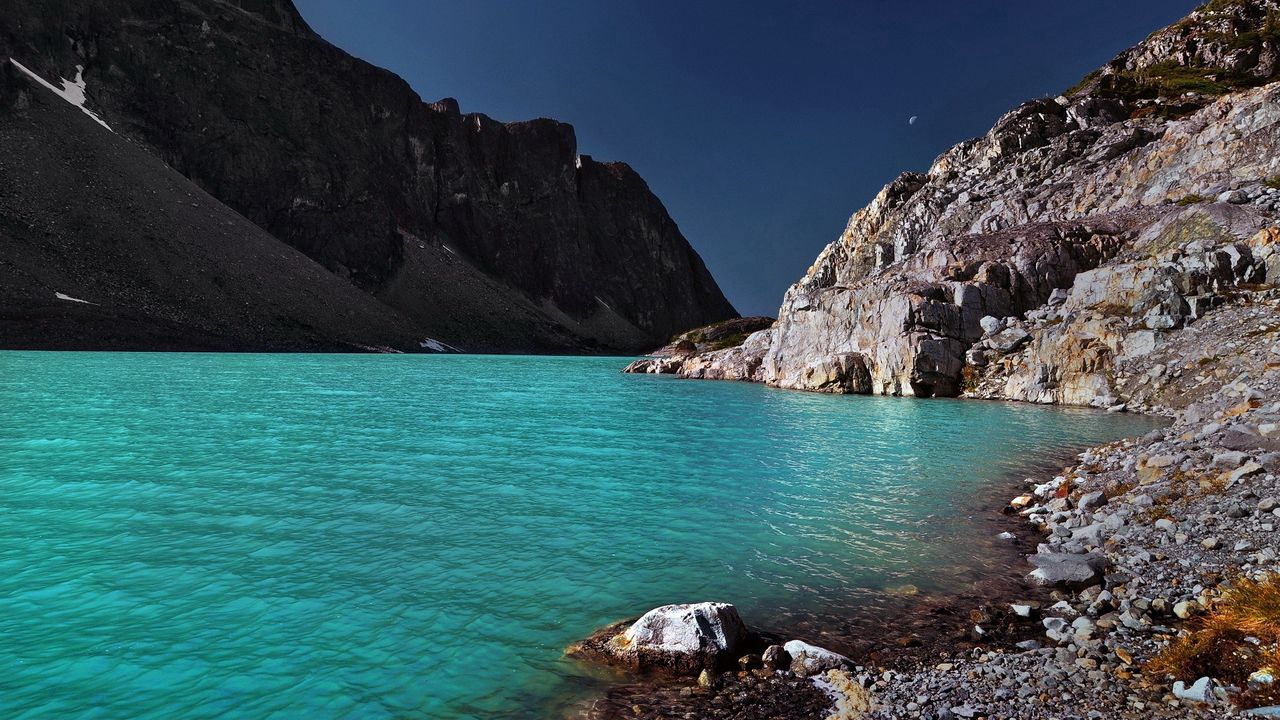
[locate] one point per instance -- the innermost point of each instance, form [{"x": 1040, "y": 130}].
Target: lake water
[{"x": 345, "y": 536}]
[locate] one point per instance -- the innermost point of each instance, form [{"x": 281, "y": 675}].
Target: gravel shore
[{"x": 1147, "y": 532}]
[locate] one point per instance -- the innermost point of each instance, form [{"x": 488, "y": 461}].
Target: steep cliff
[
  {"x": 1080, "y": 228},
  {"x": 488, "y": 235}
]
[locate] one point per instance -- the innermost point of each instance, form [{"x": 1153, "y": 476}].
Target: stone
[
  {"x": 1229, "y": 459},
  {"x": 1082, "y": 627},
  {"x": 991, "y": 325},
  {"x": 845, "y": 373},
  {"x": 1022, "y": 610},
  {"x": 1056, "y": 629},
  {"x": 1186, "y": 608},
  {"x": 775, "y": 657},
  {"x": 682, "y": 638},
  {"x": 809, "y": 660},
  {"x": 1201, "y": 691},
  {"x": 1092, "y": 501},
  {"x": 1090, "y": 535},
  {"x": 1244, "y": 471},
  {"x": 1067, "y": 570},
  {"x": 1010, "y": 339}
]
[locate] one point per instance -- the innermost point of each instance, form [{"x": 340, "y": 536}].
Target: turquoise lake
[{"x": 352, "y": 536}]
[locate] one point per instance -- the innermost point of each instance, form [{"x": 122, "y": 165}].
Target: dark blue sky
[{"x": 761, "y": 125}]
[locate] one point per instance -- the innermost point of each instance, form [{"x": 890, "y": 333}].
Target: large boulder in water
[{"x": 683, "y": 639}]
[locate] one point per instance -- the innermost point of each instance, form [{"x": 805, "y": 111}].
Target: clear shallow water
[{"x": 339, "y": 536}]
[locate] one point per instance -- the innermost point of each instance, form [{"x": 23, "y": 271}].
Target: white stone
[
  {"x": 684, "y": 637},
  {"x": 809, "y": 660},
  {"x": 1200, "y": 691}
]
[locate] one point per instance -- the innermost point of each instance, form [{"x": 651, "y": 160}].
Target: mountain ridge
[{"x": 491, "y": 236}]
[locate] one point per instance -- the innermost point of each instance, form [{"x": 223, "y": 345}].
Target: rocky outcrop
[
  {"x": 730, "y": 350},
  {"x": 490, "y": 236},
  {"x": 1115, "y": 320},
  {"x": 1135, "y": 196},
  {"x": 717, "y": 336}
]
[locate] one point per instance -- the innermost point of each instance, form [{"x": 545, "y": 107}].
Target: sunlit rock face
[{"x": 1166, "y": 155}]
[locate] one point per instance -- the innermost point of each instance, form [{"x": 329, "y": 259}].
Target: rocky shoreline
[
  {"x": 1136, "y": 540},
  {"x": 1171, "y": 519},
  {"x": 1115, "y": 247}
]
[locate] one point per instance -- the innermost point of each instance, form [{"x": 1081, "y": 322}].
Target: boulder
[
  {"x": 1067, "y": 569},
  {"x": 1006, "y": 341},
  {"x": 684, "y": 639},
  {"x": 775, "y": 657},
  {"x": 809, "y": 660}
]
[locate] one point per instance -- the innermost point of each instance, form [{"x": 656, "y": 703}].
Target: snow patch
[
  {"x": 437, "y": 346},
  {"x": 68, "y": 298},
  {"x": 72, "y": 90}
]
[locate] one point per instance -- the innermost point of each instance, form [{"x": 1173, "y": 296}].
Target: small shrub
[
  {"x": 1272, "y": 182},
  {"x": 1084, "y": 82},
  {"x": 969, "y": 378},
  {"x": 1116, "y": 489},
  {"x": 1217, "y": 645},
  {"x": 729, "y": 341},
  {"x": 1154, "y": 513},
  {"x": 1192, "y": 199}
]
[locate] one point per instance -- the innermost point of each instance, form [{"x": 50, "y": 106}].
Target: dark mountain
[
  {"x": 104, "y": 247},
  {"x": 487, "y": 235}
]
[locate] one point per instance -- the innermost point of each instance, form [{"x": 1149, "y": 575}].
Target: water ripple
[{"x": 419, "y": 537}]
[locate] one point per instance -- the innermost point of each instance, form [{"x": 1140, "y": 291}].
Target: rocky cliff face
[
  {"x": 1079, "y": 230},
  {"x": 490, "y": 235}
]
